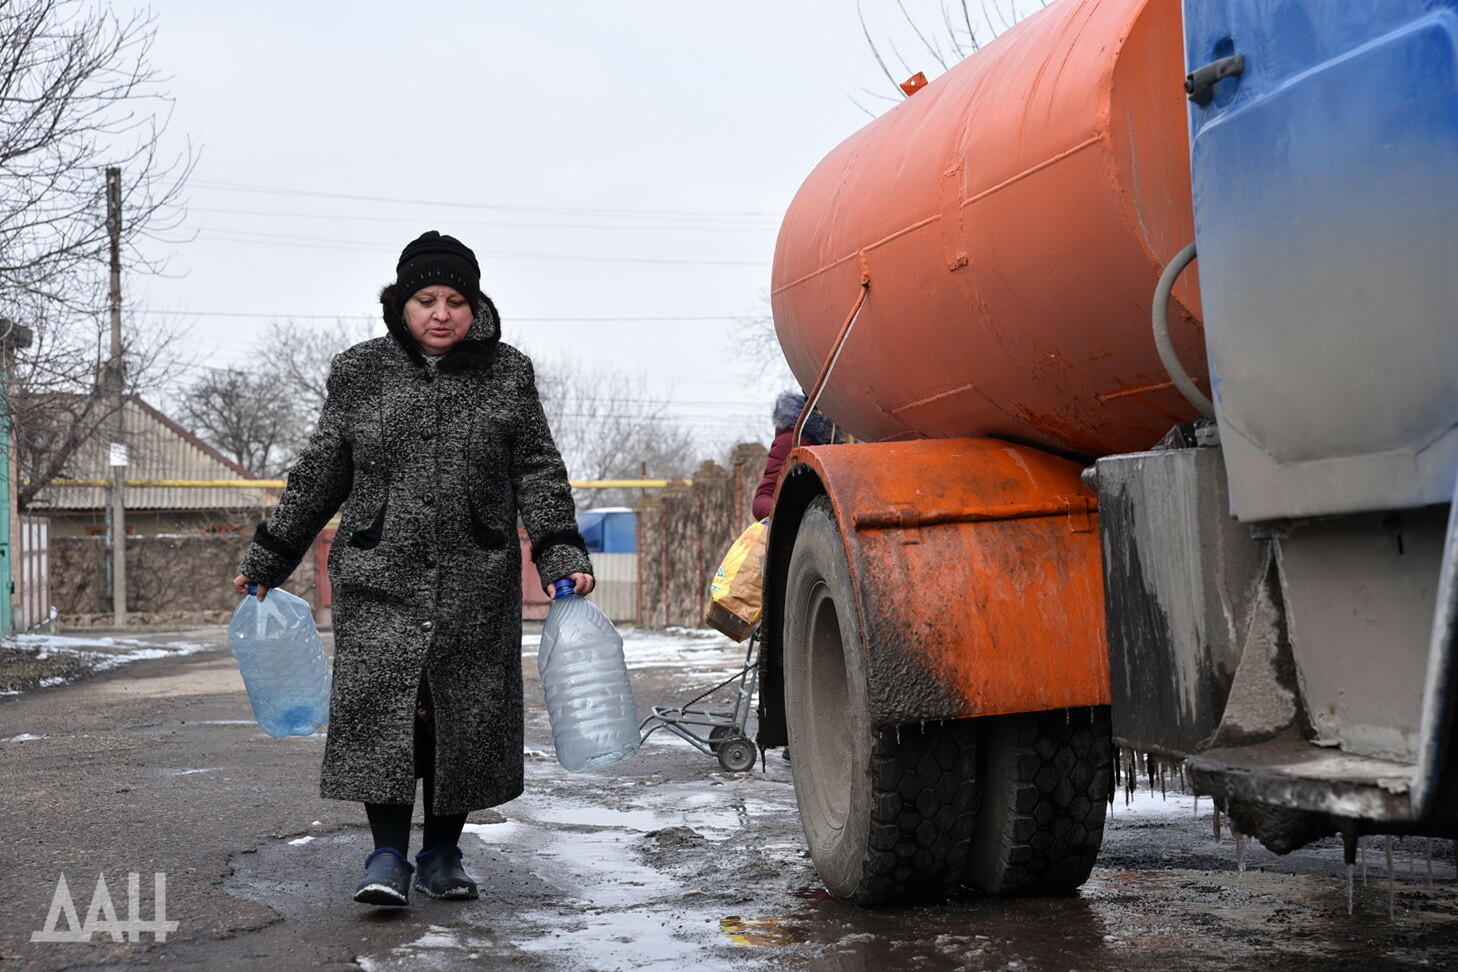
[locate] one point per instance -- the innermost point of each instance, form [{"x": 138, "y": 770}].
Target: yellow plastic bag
[{"x": 734, "y": 594}]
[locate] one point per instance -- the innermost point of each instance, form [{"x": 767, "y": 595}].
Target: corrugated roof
[{"x": 157, "y": 448}]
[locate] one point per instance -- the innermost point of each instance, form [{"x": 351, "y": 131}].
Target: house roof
[{"x": 157, "y": 448}]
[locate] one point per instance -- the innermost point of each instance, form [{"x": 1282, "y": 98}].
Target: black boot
[
  {"x": 386, "y": 880},
  {"x": 440, "y": 874}
]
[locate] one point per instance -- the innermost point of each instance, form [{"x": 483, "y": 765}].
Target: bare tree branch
[
  {"x": 608, "y": 426},
  {"x": 946, "y": 42},
  {"x": 76, "y": 95}
]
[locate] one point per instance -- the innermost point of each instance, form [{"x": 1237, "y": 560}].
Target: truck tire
[
  {"x": 888, "y": 813},
  {"x": 1045, "y": 781}
]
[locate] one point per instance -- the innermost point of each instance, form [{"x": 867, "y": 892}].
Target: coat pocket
[
  {"x": 369, "y": 537},
  {"x": 486, "y": 537}
]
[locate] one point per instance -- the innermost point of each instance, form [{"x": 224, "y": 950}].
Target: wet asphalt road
[{"x": 668, "y": 863}]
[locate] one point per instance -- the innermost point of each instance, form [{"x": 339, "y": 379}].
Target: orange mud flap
[{"x": 976, "y": 571}]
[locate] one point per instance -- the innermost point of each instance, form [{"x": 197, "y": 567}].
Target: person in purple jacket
[{"x": 818, "y": 430}]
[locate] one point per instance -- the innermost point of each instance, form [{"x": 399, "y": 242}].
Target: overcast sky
[{"x": 619, "y": 168}]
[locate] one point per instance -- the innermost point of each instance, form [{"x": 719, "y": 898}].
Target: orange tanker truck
[{"x": 1142, "y": 319}]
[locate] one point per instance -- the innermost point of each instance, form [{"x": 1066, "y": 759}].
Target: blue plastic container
[
  {"x": 282, "y": 662},
  {"x": 585, "y": 679},
  {"x": 609, "y": 530}
]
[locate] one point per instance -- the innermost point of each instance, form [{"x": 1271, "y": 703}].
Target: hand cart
[{"x": 715, "y": 733}]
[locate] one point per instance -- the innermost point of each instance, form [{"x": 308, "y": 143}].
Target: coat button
[
  {"x": 429, "y": 561},
  {"x": 427, "y": 433},
  {"x": 427, "y": 498},
  {"x": 427, "y": 625}
]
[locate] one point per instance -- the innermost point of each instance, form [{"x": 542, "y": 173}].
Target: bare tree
[
  {"x": 608, "y": 426},
  {"x": 57, "y": 403},
  {"x": 245, "y": 417},
  {"x": 756, "y": 342},
  {"x": 261, "y": 416},
  {"x": 302, "y": 354},
  {"x": 945, "y": 33},
  {"x": 76, "y": 95}
]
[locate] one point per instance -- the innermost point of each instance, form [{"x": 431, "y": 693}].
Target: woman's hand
[
  {"x": 582, "y": 584},
  {"x": 241, "y": 584}
]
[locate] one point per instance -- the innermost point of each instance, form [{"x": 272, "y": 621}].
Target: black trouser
[{"x": 390, "y": 822}]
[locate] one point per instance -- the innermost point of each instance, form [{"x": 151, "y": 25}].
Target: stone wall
[
  {"x": 171, "y": 580},
  {"x": 684, "y": 532}
]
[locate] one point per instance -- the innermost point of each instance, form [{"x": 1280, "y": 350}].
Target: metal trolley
[{"x": 716, "y": 733}]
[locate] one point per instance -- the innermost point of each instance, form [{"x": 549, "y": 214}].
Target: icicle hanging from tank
[{"x": 1391, "y": 880}]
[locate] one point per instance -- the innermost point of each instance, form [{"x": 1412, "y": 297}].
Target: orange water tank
[{"x": 1012, "y": 218}]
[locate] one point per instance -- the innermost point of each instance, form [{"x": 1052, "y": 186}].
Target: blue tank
[
  {"x": 611, "y": 529},
  {"x": 1325, "y": 176}
]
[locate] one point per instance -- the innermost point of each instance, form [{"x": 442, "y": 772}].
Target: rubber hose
[{"x": 1160, "y": 314}]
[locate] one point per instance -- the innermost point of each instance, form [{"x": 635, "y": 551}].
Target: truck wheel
[
  {"x": 887, "y": 813},
  {"x": 1045, "y": 783}
]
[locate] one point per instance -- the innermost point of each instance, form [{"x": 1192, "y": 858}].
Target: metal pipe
[
  {"x": 1159, "y": 315},
  {"x": 814, "y": 397}
]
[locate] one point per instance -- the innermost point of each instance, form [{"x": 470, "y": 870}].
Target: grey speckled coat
[{"x": 430, "y": 465}]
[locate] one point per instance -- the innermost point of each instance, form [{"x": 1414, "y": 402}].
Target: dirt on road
[{"x": 666, "y": 862}]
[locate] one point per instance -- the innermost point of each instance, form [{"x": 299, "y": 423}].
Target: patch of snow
[
  {"x": 98, "y": 654},
  {"x": 24, "y": 736},
  {"x": 300, "y": 841}
]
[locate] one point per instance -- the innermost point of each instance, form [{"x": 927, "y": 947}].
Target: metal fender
[{"x": 976, "y": 568}]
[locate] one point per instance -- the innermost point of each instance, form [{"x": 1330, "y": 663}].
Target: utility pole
[{"x": 117, "y": 454}]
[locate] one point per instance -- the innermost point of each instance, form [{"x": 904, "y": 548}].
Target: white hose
[{"x": 1160, "y": 314}]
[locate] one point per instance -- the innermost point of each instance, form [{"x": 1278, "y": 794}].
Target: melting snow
[{"x": 99, "y": 654}]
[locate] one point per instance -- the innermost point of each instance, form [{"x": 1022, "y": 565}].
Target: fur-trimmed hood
[
  {"x": 473, "y": 353},
  {"x": 818, "y": 430}
]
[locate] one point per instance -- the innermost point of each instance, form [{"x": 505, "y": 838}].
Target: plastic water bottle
[
  {"x": 584, "y": 676},
  {"x": 278, "y": 652}
]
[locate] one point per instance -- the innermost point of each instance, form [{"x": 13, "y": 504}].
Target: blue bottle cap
[{"x": 563, "y": 588}]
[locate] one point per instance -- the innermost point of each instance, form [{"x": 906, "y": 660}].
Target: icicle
[
  {"x": 1391, "y": 880},
  {"x": 1349, "y": 858},
  {"x": 1162, "y": 794},
  {"x": 1197, "y": 806},
  {"x": 1363, "y": 848},
  {"x": 1430, "y": 861},
  {"x": 1240, "y": 841},
  {"x": 1215, "y": 823}
]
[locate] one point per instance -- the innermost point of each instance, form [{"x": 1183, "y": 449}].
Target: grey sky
[{"x": 611, "y": 163}]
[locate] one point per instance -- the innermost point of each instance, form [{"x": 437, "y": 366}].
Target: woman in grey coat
[{"x": 431, "y": 443}]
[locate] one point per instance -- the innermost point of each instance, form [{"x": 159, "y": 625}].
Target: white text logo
[{"x": 101, "y": 916}]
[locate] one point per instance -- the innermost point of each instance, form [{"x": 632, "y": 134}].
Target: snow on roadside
[{"x": 77, "y": 658}]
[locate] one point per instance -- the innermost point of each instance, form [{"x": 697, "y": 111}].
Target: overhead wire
[
  {"x": 568, "y": 210},
  {"x": 322, "y": 243}
]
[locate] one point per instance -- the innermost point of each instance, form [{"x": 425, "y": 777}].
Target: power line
[
  {"x": 352, "y": 217},
  {"x": 325, "y": 243},
  {"x": 372, "y": 315},
  {"x": 572, "y": 211}
]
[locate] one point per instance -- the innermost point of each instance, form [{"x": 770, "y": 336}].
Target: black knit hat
[{"x": 435, "y": 259}]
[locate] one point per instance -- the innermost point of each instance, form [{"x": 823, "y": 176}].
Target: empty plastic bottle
[
  {"x": 277, "y": 648},
  {"x": 584, "y": 676}
]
